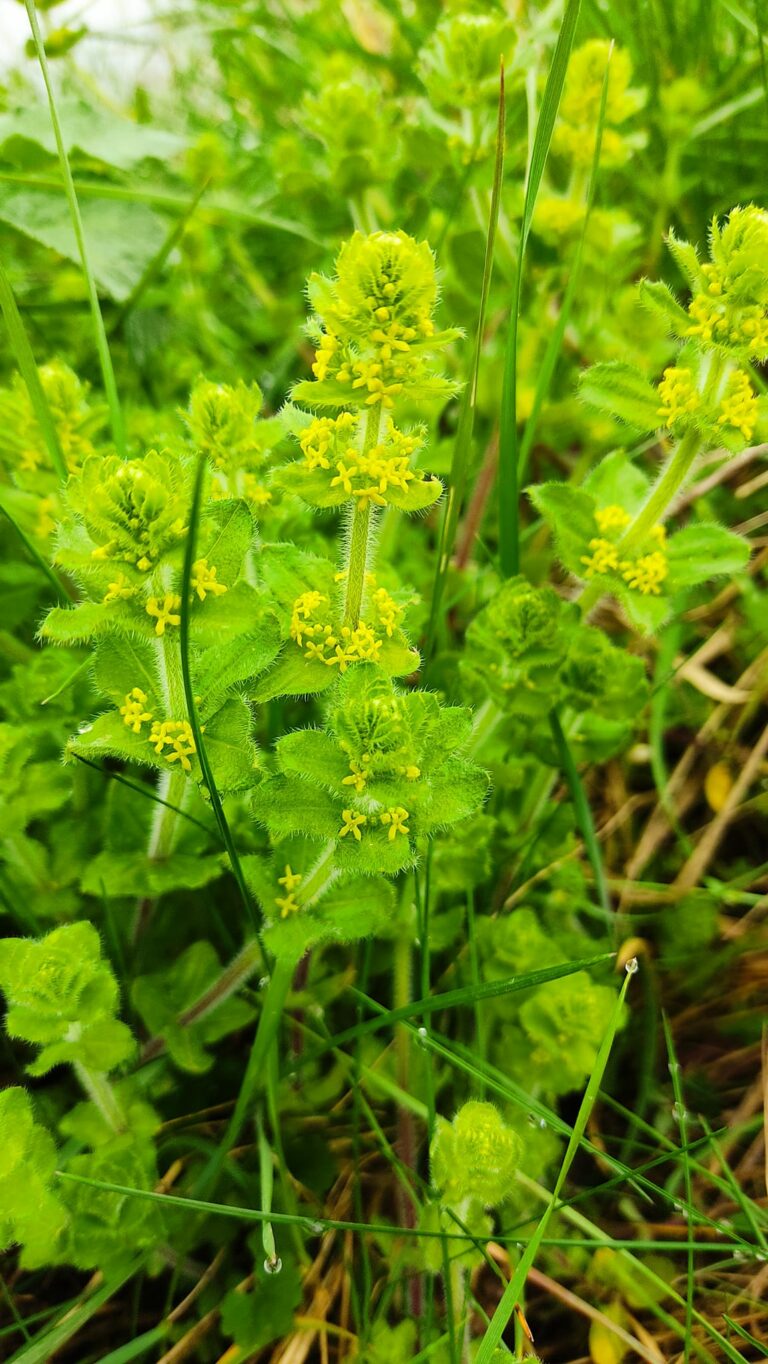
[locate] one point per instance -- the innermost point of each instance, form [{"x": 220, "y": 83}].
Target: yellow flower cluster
[
  {"x": 739, "y": 405},
  {"x": 644, "y": 574},
  {"x": 287, "y": 903},
  {"x": 680, "y": 399},
  {"x": 328, "y": 643},
  {"x": 203, "y": 581},
  {"x": 176, "y": 735},
  {"x": 393, "y": 819},
  {"x": 328, "y": 443},
  {"x": 47, "y": 517},
  {"x": 165, "y": 612},
  {"x": 132, "y": 710},
  {"x": 719, "y": 321}
]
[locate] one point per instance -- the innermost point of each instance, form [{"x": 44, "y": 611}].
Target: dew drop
[
  {"x": 273, "y": 1264},
  {"x": 85, "y": 728},
  {"x": 632, "y": 966},
  {"x": 679, "y": 1113},
  {"x": 316, "y": 1228}
]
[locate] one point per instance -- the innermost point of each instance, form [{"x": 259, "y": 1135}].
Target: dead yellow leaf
[{"x": 717, "y": 786}]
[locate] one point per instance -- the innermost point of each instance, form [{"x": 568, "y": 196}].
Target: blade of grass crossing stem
[
  {"x": 581, "y": 809},
  {"x": 462, "y": 448},
  {"x": 554, "y": 344},
  {"x": 514, "y": 1288},
  {"x": 466, "y": 994},
  {"x": 137, "y": 1347},
  {"x": 509, "y": 530},
  {"x": 255, "y": 1072},
  {"x": 34, "y": 553},
  {"x": 157, "y": 262},
  {"x": 100, "y": 335},
  {"x": 266, "y": 1185},
  {"x": 147, "y": 792},
  {"x": 25, "y": 360},
  {"x": 682, "y": 1123},
  {"x": 194, "y": 721}
]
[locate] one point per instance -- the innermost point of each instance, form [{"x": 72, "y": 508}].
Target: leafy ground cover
[{"x": 383, "y": 666}]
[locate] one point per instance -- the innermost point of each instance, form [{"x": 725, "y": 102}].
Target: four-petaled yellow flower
[
  {"x": 165, "y": 611},
  {"x": 120, "y": 589},
  {"x": 351, "y": 825},
  {"x": 357, "y": 776},
  {"x": 133, "y": 712},
  {"x": 203, "y": 580},
  {"x": 176, "y": 734},
  {"x": 395, "y": 819},
  {"x": 290, "y": 879}
]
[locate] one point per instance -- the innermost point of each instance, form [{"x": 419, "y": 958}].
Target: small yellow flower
[
  {"x": 411, "y": 772},
  {"x": 120, "y": 589},
  {"x": 165, "y": 611},
  {"x": 647, "y": 573},
  {"x": 176, "y": 734},
  {"x": 679, "y": 395},
  {"x": 351, "y": 824},
  {"x": 290, "y": 880},
  {"x": 357, "y": 776},
  {"x": 603, "y": 559},
  {"x": 132, "y": 710},
  {"x": 203, "y": 580},
  {"x": 395, "y": 818},
  {"x": 612, "y": 517},
  {"x": 739, "y": 405},
  {"x": 287, "y": 904}
]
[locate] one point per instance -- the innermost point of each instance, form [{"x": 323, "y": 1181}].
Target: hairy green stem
[
  {"x": 664, "y": 490},
  {"x": 100, "y": 1092},
  {"x": 319, "y": 877},
  {"x": 359, "y": 530},
  {"x": 357, "y": 562}
]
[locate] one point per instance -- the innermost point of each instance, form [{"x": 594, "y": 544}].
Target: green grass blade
[
  {"x": 28, "y": 369},
  {"x": 42, "y": 1349},
  {"x": 515, "y": 1286},
  {"x": 554, "y": 344},
  {"x": 509, "y": 531},
  {"x": 462, "y": 449},
  {"x": 682, "y": 1122},
  {"x": 137, "y": 1347},
  {"x": 64, "y": 593},
  {"x": 581, "y": 810},
  {"x": 100, "y": 335},
  {"x": 742, "y": 1334},
  {"x": 148, "y": 792},
  {"x": 154, "y": 267},
  {"x": 451, "y": 999},
  {"x": 194, "y": 719}
]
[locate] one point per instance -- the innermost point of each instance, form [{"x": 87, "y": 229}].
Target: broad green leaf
[
  {"x": 134, "y": 874},
  {"x": 94, "y": 131},
  {"x": 623, "y": 391},
  {"x": 122, "y": 237},
  {"x": 705, "y": 550},
  {"x": 570, "y": 515},
  {"x": 163, "y": 995}
]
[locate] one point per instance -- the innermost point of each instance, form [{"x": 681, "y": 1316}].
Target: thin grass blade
[
  {"x": 509, "y": 530},
  {"x": 100, "y": 335},
  {"x": 25, "y": 360}
]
